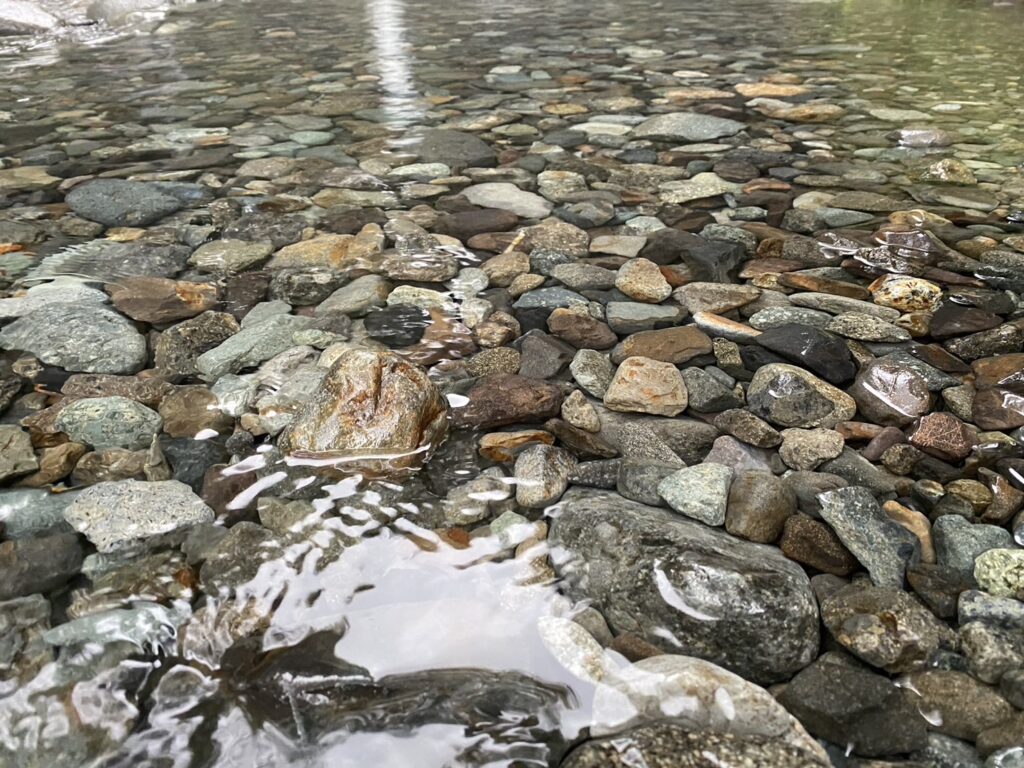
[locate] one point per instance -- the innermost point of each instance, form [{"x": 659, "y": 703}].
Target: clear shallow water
[{"x": 365, "y": 577}]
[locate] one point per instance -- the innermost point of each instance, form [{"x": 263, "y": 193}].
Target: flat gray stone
[
  {"x": 78, "y": 338},
  {"x": 115, "y": 515},
  {"x": 686, "y": 126}
]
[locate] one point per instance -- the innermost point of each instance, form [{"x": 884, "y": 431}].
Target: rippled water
[{"x": 369, "y": 636}]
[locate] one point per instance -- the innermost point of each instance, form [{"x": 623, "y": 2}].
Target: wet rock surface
[{"x": 348, "y": 368}]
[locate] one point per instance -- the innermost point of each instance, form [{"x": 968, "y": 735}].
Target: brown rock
[
  {"x": 502, "y": 399},
  {"x": 817, "y": 284},
  {"x": 634, "y": 647},
  {"x": 966, "y": 706},
  {"x": 647, "y": 386},
  {"x": 814, "y": 544},
  {"x": 502, "y": 269},
  {"x": 149, "y": 391},
  {"x": 54, "y": 463},
  {"x": 669, "y": 345},
  {"x": 177, "y": 348},
  {"x": 581, "y": 330},
  {"x": 998, "y": 409},
  {"x": 890, "y": 394},
  {"x": 944, "y": 436},
  {"x": 189, "y": 411},
  {"x": 370, "y": 403},
  {"x": 111, "y": 464},
  {"x": 759, "y": 505},
  {"x": 159, "y": 300},
  {"x": 1003, "y": 372},
  {"x": 503, "y": 446}
]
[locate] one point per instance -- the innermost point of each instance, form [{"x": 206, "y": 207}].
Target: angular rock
[
  {"x": 883, "y": 547},
  {"x": 646, "y": 386},
  {"x": 885, "y": 627},
  {"x": 850, "y": 706},
  {"x": 700, "y": 492},
  {"x": 759, "y": 505}
]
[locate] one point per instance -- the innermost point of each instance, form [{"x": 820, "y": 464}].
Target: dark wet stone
[
  {"x": 543, "y": 356},
  {"x": 890, "y": 394},
  {"x": 29, "y": 566},
  {"x": 1003, "y": 339},
  {"x": 190, "y": 459},
  {"x": 400, "y": 325},
  {"x": 822, "y": 353},
  {"x": 455, "y": 149},
  {"x": 788, "y": 396},
  {"x": 277, "y": 229},
  {"x": 178, "y": 347},
  {"x": 660, "y": 561},
  {"x": 952, "y": 319},
  {"x": 304, "y": 287},
  {"x": 885, "y": 627},
  {"x": 847, "y": 705},
  {"x": 814, "y": 544},
  {"x": 807, "y": 485},
  {"x": 501, "y": 399},
  {"x": 673, "y": 744},
  {"x": 882, "y": 546},
  {"x": 121, "y": 203},
  {"x": 706, "y": 393}
]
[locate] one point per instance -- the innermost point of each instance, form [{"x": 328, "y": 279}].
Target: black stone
[
  {"x": 822, "y": 353},
  {"x": 399, "y": 326}
]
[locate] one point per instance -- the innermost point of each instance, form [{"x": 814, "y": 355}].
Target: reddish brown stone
[
  {"x": 1003, "y": 372},
  {"x": 503, "y": 446},
  {"x": 944, "y": 436},
  {"x": 502, "y": 399},
  {"x": 823, "y": 285},
  {"x": 149, "y": 391},
  {"x": 580, "y": 330},
  {"x": 159, "y": 300},
  {"x": 111, "y": 464},
  {"x": 669, "y": 345}
]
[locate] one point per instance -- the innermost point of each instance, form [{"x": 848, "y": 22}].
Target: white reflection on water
[{"x": 394, "y": 63}]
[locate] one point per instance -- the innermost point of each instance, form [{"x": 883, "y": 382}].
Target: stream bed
[{"x": 406, "y": 384}]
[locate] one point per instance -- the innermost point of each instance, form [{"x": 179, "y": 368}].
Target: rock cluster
[{"x": 726, "y": 363}]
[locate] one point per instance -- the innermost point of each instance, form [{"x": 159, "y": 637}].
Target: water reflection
[{"x": 393, "y": 62}]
